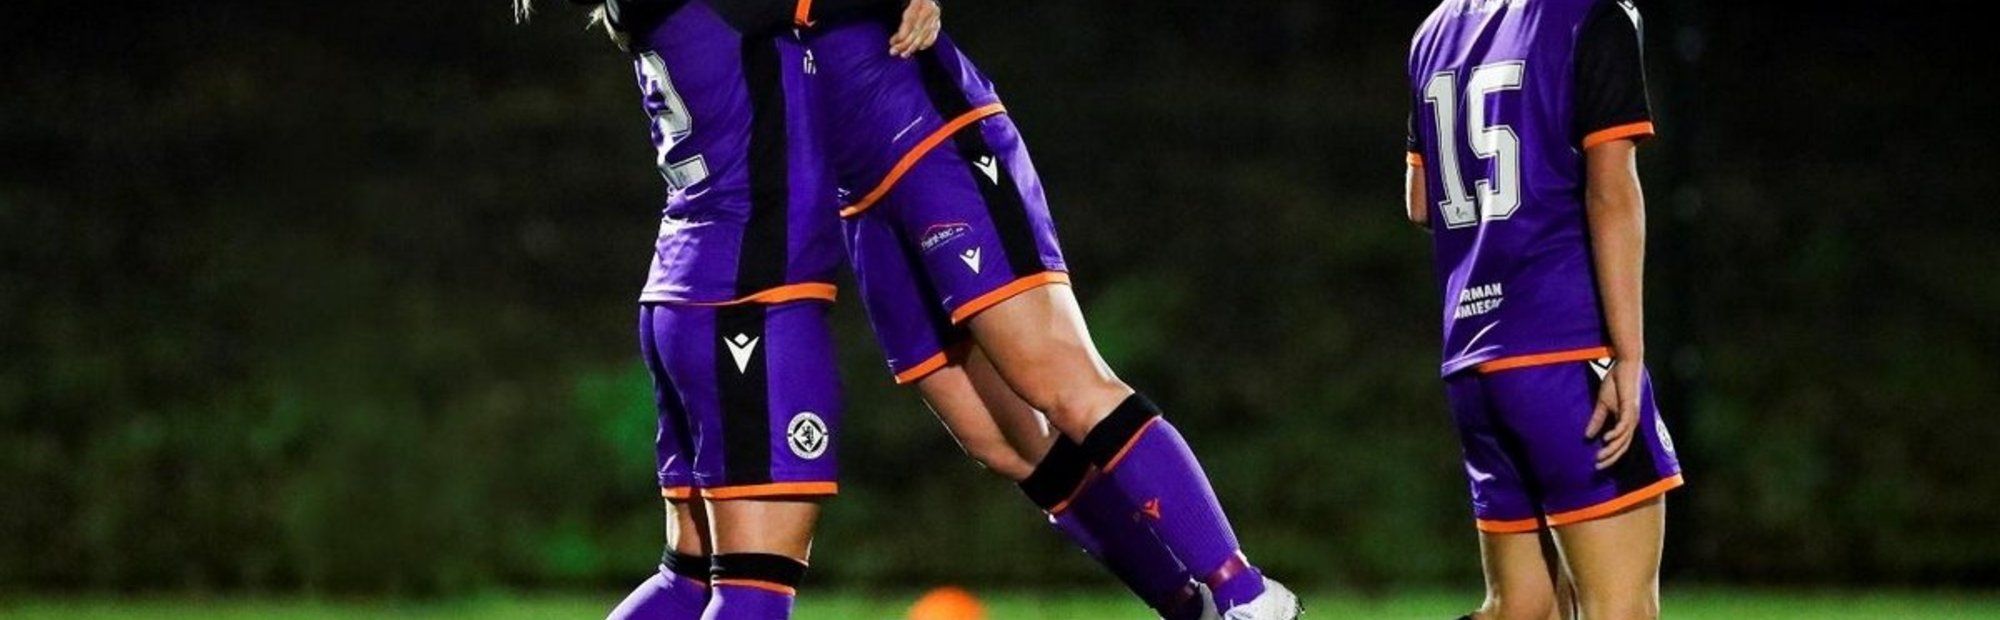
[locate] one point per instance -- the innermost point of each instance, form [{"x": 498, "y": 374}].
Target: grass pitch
[{"x": 852, "y": 605}]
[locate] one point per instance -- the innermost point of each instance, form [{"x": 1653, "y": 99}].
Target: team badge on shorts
[{"x": 806, "y": 435}]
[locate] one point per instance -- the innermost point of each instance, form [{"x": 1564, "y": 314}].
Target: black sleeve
[{"x": 1611, "y": 76}]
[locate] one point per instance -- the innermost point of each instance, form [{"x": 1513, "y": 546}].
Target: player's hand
[
  {"x": 922, "y": 20},
  {"x": 1618, "y": 405}
]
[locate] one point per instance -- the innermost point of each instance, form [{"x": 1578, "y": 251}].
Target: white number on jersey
[
  {"x": 1497, "y": 196},
  {"x": 673, "y": 123}
]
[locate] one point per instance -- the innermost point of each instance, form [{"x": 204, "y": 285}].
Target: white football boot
[{"x": 1276, "y": 603}]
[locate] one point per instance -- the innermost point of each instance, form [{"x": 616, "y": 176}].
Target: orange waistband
[
  {"x": 1543, "y": 359},
  {"x": 818, "y": 291}
]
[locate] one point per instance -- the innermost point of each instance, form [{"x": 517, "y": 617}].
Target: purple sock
[
  {"x": 754, "y": 586},
  {"x": 671, "y": 594},
  {"x": 1105, "y": 524},
  {"x": 748, "y": 600},
  {"x": 1146, "y": 458}
]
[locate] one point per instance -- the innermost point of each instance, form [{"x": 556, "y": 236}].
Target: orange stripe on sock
[
  {"x": 917, "y": 153},
  {"x": 1120, "y": 456},
  {"x": 775, "y": 489},
  {"x": 1641, "y": 130},
  {"x": 791, "y": 292},
  {"x": 1544, "y": 359},
  {"x": 802, "y": 15},
  {"x": 677, "y": 493},
  {"x": 1618, "y": 505},
  {"x": 761, "y": 585},
  {"x": 994, "y": 297}
]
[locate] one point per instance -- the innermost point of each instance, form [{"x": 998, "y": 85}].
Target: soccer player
[
  {"x": 956, "y": 255},
  {"x": 733, "y": 317},
  {"x": 1526, "y": 117}
]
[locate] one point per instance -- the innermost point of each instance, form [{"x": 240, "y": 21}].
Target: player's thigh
[
  {"x": 1038, "y": 342},
  {"x": 1616, "y": 561},
  {"x": 687, "y": 527},
  {"x": 1522, "y": 576},
  {"x": 952, "y": 395},
  {"x": 775, "y": 525}
]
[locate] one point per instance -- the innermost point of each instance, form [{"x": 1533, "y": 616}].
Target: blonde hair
[{"x": 599, "y": 18}]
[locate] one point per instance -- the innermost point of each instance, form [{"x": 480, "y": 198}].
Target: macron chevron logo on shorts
[
  {"x": 971, "y": 258},
  {"x": 989, "y": 166},
  {"x": 741, "y": 347}
]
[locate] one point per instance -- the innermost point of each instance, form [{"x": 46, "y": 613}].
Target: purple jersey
[
  {"x": 1506, "y": 96},
  {"x": 749, "y": 213}
]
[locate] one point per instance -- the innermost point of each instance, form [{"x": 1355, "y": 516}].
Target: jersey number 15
[{"x": 1500, "y": 194}]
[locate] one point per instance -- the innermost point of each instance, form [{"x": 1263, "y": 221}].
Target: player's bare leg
[
  {"x": 1000, "y": 430},
  {"x": 679, "y": 590},
  {"x": 1616, "y": 562},
  {"x": 1524, "y": 578},
  {"x": 761, "y": 548},
  {"x": 1040, "y": 345}
]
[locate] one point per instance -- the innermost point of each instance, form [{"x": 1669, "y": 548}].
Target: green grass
[{"x": 1718, "y": 604}]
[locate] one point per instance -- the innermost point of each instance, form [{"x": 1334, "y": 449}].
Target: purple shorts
[
  {"x": 945, "y": 215},
  {"x": 1528, "y": 461},
  {"x": 748, "y": 396}
]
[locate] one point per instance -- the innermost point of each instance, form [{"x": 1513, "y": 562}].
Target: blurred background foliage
[{"x": 337, "y": 297}]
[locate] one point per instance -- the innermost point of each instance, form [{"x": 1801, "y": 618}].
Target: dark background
[{"x": 338, "y": 296}]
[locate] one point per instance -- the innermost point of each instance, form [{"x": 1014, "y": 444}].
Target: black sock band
[
  {"x": 1118, "y": 430},
  {"x": 694, "y": 567},
  {"x": 765, "y": 567},
  {"x": 1057, "y": 477}
]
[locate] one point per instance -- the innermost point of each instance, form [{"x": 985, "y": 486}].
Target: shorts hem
[
  {"x": 994, "y": 297},
  {"x": 1580, "y": 515},
  {"x": 678, "y": 492},
  {"x": 771, "y": 489},
  {"x": 1542, "y": 359},
  {"x": 937, "y": 361}
]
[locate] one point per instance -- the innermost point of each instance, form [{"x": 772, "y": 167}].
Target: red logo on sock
[{"x": 1151, "y": 508}]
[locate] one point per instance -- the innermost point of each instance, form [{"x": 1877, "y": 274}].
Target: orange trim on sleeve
[
  {"x": 1414, "y": 159},
  {"x": 1618, "y": 505},
  {"x": 994, "y": 297},
  {"x": 1518, "y": 526},
  {"x": 1543, "y": 359},
  {"x": 791, "y": 292},
  {"x": 1120, "y": 456},
  {"x": 761, "y": 585},
  {"x": 918, "y": 152},
  {"x": 1641, "y": 129},
  {"x": 932, "y": 364},
  {"x": 802, "y": 16},
  {"x": 774, "y": 489},
  {"x": 677, "y": 493}
]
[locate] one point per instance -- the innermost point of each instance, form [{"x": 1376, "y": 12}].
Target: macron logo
[
  {"x": 742, "y": 347},
  {"x": 1151, "y": 508},
  {"x": 971, "y": 258},
  {"x": 987, "y": 165}
]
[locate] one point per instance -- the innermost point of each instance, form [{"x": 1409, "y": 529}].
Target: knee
[
  {"x": 1519, "y": 606},
  {"x": 1077, "y": 410}
]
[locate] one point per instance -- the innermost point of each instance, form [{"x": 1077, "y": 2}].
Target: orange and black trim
[
  {"x": 950, "y": 355},
  {"x": 1117, "y": 433},
  {"x": 1543, "y": 359},
  {"x": 807, "y": 291},
  {"x": 763, "y": 571},
  {"x": 678, "y": 494},
  {"x": 1588, "y": 513},
  {"x": 1061, "y": 476},
  {"x": 1634, "y": 131}
]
